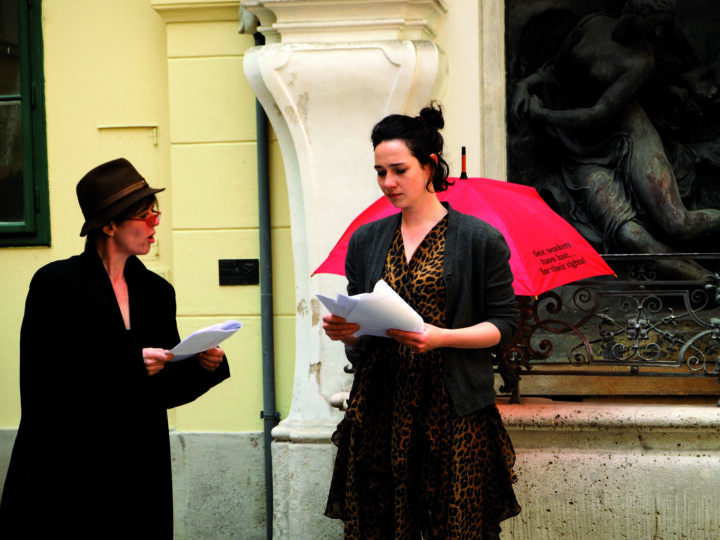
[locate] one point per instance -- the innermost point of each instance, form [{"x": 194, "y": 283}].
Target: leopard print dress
[{"x": 406, "y": 464}]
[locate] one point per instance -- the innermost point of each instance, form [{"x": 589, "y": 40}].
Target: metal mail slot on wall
[{"x": 239, "y": 271}]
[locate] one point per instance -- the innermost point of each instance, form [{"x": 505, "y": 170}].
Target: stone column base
[{"x": 595, "y": 471}]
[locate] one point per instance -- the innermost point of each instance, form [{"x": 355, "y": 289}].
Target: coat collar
[
  {"x": 100, "y": 288},
  {"x": 95, "y": 268}
]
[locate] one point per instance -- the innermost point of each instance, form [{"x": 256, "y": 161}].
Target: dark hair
[
  {"x": 130, "y": 212},
  {"x": 421, "y": 135}
]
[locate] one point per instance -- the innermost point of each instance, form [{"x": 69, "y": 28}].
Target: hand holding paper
[
  {"x": 375, "y": 312},
  {"x": 210, "y": 359},
  {"x": 204, "y": 339}
]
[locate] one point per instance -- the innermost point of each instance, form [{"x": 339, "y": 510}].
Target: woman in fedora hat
[{"x": 92, "y": 453}]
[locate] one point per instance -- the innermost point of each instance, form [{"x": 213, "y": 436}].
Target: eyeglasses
[{"x": 152, "y": 219}]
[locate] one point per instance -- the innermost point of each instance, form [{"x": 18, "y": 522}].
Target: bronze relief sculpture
[{"x": 614, "y": 116}]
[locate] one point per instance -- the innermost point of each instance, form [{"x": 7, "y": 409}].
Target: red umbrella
[{"x": 546, "y": 251}]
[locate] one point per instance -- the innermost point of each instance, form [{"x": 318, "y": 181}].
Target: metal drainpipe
[{"x": 269, "y": 415}]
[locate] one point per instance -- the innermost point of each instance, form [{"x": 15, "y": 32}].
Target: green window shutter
[{"x": 24, "y": 200}]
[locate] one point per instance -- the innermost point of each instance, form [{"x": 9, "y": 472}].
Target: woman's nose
[{"x": 389, "y": 181}]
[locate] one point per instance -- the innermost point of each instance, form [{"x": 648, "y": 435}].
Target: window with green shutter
[{"x": 24, "y": 205}]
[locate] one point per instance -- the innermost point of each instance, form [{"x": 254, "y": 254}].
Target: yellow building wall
[{"x": 169, "y": 94}]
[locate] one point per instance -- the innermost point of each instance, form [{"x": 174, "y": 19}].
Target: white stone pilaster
[
  {"x": 322, "y": 98},
  {"x": 330, "y": 70}
]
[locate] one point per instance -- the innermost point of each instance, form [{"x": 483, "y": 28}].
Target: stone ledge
[
  {"x": 539, "y": 422},
  {"x": 612, "y": 428},
  {"x": 184, "y": 11},
  {"x": 347, "y": 20},
  {"x": 538, "y": 413}
]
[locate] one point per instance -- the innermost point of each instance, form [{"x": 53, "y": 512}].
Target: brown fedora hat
[{"x": 109, "y": 189}]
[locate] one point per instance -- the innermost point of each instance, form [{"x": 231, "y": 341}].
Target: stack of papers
[
  {"x": 204, "y": 339},
  {"x": 375, "y": 312}
]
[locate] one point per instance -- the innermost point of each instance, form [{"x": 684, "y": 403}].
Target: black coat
[{"x": 92, "y": 453}]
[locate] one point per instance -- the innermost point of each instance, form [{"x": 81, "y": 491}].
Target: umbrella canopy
[{"x": 546, "y": 251}]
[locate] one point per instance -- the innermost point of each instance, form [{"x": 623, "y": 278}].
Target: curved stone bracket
[{"x": 322, "y": 100}]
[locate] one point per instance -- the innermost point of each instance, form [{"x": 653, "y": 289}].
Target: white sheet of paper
[
  {"x": 375, "y": 312},
  {"x": 204, "y": 339}
]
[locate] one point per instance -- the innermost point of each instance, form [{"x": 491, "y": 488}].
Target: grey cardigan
[{"x": 478, "y": 284}]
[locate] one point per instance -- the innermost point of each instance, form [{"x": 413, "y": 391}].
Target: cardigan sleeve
[
  {"x": 478, "y": 277},
  {"x": 364, "y": 261},
  {"x": 353, "y": 272},
  {"x": 500, "y": 303}
]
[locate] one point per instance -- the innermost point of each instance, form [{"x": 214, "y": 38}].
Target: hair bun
[{"x": 433, "y": 115}]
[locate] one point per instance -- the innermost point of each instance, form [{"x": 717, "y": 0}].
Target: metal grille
[{"x": 638, "y": 321}]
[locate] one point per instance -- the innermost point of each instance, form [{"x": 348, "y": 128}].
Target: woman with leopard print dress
[{"x": 422, "y": 450}]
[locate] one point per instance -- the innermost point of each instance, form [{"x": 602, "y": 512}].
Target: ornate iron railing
[{"x": 637, "y": 320}]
